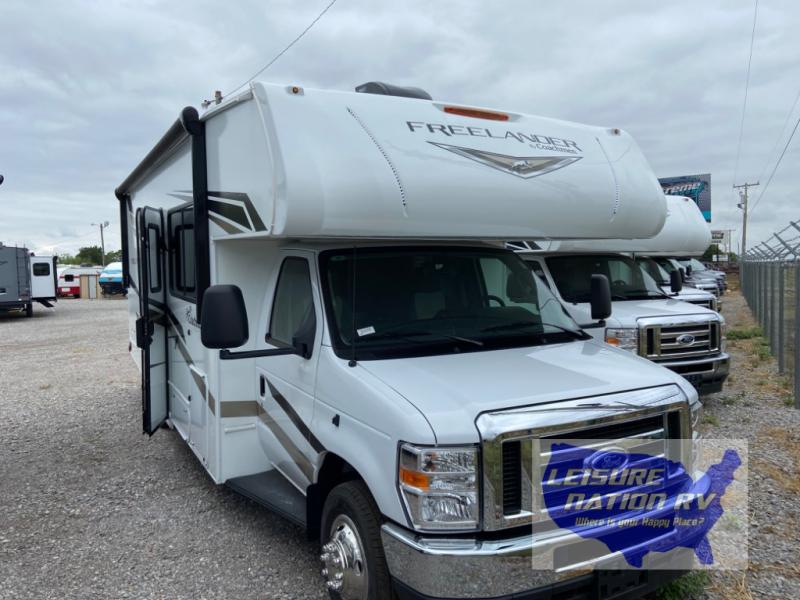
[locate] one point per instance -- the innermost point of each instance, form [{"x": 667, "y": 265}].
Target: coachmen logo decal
[{"x": 521, "y": 166}]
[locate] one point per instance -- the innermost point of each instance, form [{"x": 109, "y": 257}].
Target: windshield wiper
[
  {"x": 409, "y": 335},
  {"x": 518, "y": 324}
]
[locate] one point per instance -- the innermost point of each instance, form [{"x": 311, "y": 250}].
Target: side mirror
[
  {"x": 688, "y": 270},
  {"x": 683, "y": 274},
  {"x": 675, "y": 282},
  {"x": 223, "y": 323},
  {"x": 600, "y": 297}
]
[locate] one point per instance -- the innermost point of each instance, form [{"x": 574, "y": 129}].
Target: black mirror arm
[
  {"x": 595, "y": 325},
  {"x": 228, "y": 355}
]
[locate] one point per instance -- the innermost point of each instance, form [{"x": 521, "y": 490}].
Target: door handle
[{"x": 262, "y": 385}]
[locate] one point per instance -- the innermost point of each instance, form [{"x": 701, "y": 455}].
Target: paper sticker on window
[{"x": 365, "y": 331}]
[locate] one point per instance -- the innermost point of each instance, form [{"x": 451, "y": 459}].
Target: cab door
[
  {"x": 286, "y": 384},
  {"x": 151, "y": 325}
]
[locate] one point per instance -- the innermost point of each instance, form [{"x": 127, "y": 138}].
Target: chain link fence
[{"x": 770, "y": 276}]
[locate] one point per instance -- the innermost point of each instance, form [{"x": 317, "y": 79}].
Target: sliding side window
[{"x": 181, "y": 254}]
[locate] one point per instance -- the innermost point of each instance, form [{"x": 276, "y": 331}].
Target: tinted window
[
  {"x": 41, "y": 269},
  {"x": 181, "y": 253},
  {"x": 293, "y": 305},
  {"x": 419, "y": 301},
  {"x": 154, "y": 258},
  {"x": 572, "y": 276}
]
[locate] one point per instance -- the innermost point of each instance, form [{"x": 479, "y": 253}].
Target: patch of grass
[
  {"x": 788, "y": 400},
  {"x": 761, "y": 352},
  {"x": 745, "y": 333},
  {"x": 692, "y": 585},
  {"x": 728, "y": 400},
  {"x": 709, "y": 419}
]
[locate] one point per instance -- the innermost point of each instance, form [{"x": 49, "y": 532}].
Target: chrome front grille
[
  {"x": 516, "y": 445},
  {"x": 680, "y": 340}
]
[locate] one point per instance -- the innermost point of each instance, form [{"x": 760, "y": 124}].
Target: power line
[
  {"x": 777, "y": 164},
  {"x": 746, "y": 88},
  {"x": 780, "y": 135},
  {"x": 285, "y": 50}
]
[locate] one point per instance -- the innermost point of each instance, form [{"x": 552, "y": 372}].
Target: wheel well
[{"x": 334, "y": 470}]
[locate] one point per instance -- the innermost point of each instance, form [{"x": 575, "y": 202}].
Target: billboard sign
[
  {"x": 718, "y": 236},
  {"x": 696, "y": 187}
]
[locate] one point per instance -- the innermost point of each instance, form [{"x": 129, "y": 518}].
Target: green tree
[
  {"x": 89, "y": 255},
  {"x": 713, "y": 249},
  {"x": 114, "y": 256}
]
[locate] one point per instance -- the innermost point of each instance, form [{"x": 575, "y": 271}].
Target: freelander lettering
[{"x": 543, "y": 142}]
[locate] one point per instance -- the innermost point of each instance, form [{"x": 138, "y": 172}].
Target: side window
[
  {"x": 504, "y": 289},
  {"x": 41, "y": 269},
  {"x": 181, "y": 253},
  {"x": 620, "y": 271},
  {"x": 293, "y": 307},
  {"x": 154, "y": 256}
]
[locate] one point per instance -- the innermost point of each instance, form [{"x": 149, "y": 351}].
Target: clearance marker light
[{"x": 476, "y": 113}]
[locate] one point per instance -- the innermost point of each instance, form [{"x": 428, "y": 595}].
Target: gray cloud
[{"x": 88, "y": 87}]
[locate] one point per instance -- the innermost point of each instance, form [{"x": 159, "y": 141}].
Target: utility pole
[
  {"x": 102, "y": 226},
  {"x": 743, "y": 206}
]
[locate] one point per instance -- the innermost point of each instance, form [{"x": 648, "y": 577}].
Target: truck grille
[
  {"x": 649, "y": 435},
  {"x": 685, "y": 340},
  {"x": 516, "y": 445}
]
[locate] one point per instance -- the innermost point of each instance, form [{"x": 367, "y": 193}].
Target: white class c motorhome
[
  {"x": 678, "y": 332},
  {"x": 321, "y": 307}
]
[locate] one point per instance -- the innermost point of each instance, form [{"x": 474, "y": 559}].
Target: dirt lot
[
  {"x": 756, "y": 405},
  {"x": 91, "y": 507}
]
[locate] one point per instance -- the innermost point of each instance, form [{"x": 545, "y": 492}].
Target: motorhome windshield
[
  {"x": 653, "y": 269},
  {"x": 414, "y": 301},
  {"x": 573, "y": 273},
  {"x": 694, "y": 263}
]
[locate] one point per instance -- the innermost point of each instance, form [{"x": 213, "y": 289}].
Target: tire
[
  {"x": 350, "y": 504},
  {"x": 29, "y": 309}
]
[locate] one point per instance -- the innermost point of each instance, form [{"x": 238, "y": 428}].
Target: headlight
[
  {"x": 627, "y": 339},
  {"x": 440, "y": 486},
  {"x": 696, "y": 413},
  {"x": 723, "y": 343},
  {"x": 714, "y": 304}
]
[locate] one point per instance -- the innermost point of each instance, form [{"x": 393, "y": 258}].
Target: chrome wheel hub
[{"x": 344, "y": 563}]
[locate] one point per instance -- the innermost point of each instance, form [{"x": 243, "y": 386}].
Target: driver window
[{"x": 293, "y": 307}]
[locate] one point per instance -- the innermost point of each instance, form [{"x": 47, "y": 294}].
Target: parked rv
[
  {"x": 43, "y": 279},
  {"x": 699, "y": 271},
  {"x": 25, "y": 279},
  {"x": 324, "y": 319},
  {"x": 69, "y": 281},
  {"x": 15, "y": 280},
  {"x": 111, "y": 279},
  {"x": 675, "y": 328},
  {"x": 689, "y": 294},
  {"x": 705, "y": 285}
]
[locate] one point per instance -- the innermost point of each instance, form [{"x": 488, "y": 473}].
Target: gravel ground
[
  {"x": 755, "y": 405},
  {"x": 93, "y": 508}
]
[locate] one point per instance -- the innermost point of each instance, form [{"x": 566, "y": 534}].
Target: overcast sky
[{"x": 88, "y": 87}]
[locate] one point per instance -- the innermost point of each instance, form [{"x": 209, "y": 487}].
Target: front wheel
[{"x": 354, "y": 565}]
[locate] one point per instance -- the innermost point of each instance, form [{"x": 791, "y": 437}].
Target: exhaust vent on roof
[{"x": 387, "y": 89}]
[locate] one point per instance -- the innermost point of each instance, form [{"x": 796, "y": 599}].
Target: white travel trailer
[
  {"x": 320, "y": 306},
  {"x": 43, "y": 279}
]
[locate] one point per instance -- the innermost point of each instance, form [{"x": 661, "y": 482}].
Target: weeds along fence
[{"x": 770, "y": 277}]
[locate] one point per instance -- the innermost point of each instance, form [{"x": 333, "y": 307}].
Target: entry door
[
  {"x": 151, "y": 326},
  {"x": 286, "y": 383}
]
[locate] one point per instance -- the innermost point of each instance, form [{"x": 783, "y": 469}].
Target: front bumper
[
  {"x": 706, "y": 375},
  {"x": 431, "y": 566}
]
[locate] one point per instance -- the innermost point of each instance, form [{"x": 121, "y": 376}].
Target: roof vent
[{"x": 387, "y": 89}]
